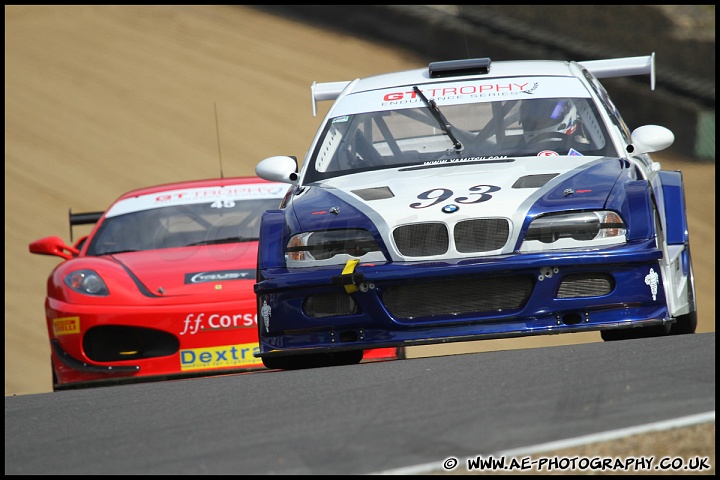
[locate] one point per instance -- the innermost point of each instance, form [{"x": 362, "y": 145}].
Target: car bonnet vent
[
  {"x": 455, "y": 68},
  {"x": 376, "y": 193},
  {"x": 534, "y": 181}
]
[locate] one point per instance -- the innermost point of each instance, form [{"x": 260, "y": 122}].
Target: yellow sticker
[
  {"x": 220, "y": 357},
  {"x": 348, "y": 270},
  {"x": 65, "y": 326}
]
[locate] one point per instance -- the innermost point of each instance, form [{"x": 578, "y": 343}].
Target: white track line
[{"x": 570, "y": 442}]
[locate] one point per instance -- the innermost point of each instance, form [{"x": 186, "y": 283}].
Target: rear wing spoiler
[
  {"x": 82, "y": 219},
  {"x": 613, "y": 67},
  {"x": 623, "y": 67},
  {"x": 325, "y": 91}
]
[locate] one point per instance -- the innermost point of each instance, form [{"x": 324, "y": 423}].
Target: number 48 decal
[
  {"x": 477, "y": 194},
  {"x": 223, "y": 204}
]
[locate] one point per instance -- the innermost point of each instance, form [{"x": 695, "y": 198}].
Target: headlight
[
  {"x": 87, "y": 282},
  {"x": 574, "y": 230},
  {"x": 331, "y": 247}
]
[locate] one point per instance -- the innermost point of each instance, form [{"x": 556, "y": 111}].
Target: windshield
[
  {"x": 181, "y": 225},
  {"x": 483, "y": 130}
]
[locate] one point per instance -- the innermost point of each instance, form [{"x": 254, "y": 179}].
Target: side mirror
[
  {"x": 651, "y": 138},
  {"x": 53, "y": 246},
  {"x": 278, "y": 169}
]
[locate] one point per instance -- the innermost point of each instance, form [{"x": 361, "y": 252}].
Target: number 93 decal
[{"x": 476, "y": 194}]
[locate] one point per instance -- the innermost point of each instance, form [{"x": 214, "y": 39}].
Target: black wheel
[
  {"x": 314, "y": 360},
  {"x": 54, "y": 376},
  {"x": 640, "y": 332},
  {"x": 636, "y": 332},
  {"x": 685, "y": 324}
]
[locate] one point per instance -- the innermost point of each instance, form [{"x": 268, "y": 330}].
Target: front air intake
[{"x": 579, "y": 285}]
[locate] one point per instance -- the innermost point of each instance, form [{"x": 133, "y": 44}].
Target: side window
[{"x": 609, "y": 106}]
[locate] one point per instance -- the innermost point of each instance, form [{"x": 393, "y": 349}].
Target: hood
[
  {"x": 223, "y": 269},
  {"x": 511, "y": 189}
]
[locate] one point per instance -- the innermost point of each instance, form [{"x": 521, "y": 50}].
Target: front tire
[
  {"x": 634, "y": 333},
  {"x": 314, "y": 360},
  {"x": 684, "y": 324},
  {"x": 687, "y": 324}
]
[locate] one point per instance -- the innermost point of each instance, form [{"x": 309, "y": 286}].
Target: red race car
[{"x": 162, "y": 287}]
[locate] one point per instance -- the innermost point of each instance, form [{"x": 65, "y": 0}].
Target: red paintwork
[{"x": 215, "y": 322}]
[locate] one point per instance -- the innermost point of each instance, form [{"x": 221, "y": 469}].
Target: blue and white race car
[{"x": 472, "y": 200}]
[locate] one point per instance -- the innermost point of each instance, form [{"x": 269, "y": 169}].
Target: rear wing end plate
[{"x": 86, "y": 218}]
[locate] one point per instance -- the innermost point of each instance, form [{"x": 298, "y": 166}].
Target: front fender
[
  {"x": 271, "y": 251},
  {"x": 673, "y": 205}
]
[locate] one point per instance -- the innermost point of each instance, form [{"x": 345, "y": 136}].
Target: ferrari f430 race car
[
  {"x": 163, "y": 285},
  {"x": 471, "y": 200}
]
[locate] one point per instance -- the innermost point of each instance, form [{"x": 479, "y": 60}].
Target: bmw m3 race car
[
  {"x": 162, "y": 286},
  {"x": 472, "y": 199}
]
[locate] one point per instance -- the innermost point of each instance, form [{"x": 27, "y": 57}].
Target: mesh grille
[
  {"x": 481, "y": 235},
  {"x": 329, "y": 305},
  {"x": 428, "y": 239},
  {"x": 457, "y": 296},
  {"x": 586, "y": 285},
  {"x": 422, "y": 239}
]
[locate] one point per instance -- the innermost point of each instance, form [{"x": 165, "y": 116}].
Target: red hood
[{"x": 194, "y": 270}]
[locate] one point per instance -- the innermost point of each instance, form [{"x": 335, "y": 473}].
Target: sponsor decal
[
  {"x": 474, "y": 194},
  {"x": 220, "y": 276},
  {"x": 265, "y": 313},
  {"x": 233, "y": 191},
  {"x": 224, "y": 356},
  {"x": 219, "y": 197},
  {"x": 467, "y": 89},
  {"x": 548, "y": 153},
  {"x": 444, "y": 161},
  {"x": 65, "y": 326},
  {"x": 461, "y": 91},
  {"x": 215, "y": 321},
  {"x": 652, "y": 280}
]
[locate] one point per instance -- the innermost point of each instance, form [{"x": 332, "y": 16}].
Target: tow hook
[
  {"x": 547, "y": 272},
  {"x": 349, "y": 278}
]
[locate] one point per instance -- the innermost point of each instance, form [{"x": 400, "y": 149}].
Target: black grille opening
[
  {"x": 329, "y": 305},
  {"x": 481, "y": 235},
  {"x": 458, "y": 296},
  {"x": 580, "y": 285},
  {"x": 348, "y": 337},
  {"x": 422, "y": 239},
  {"x": 572, "y": 319},
  {"x": 112, "y": 343}
]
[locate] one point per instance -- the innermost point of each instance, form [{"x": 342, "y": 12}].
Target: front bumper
[
  {"x": 407, "y": 304},
  {"x": 92, "y": 344}
]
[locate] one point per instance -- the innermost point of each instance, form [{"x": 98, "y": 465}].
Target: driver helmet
[{"x": 548, "y": 115}]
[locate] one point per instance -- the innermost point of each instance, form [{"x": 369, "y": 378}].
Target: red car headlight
[{"x": 87, "y": 282}]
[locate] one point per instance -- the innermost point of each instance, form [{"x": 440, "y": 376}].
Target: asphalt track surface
[
  {"x": 103, "y": 99},
  {"x": 365, "y": 418}
]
